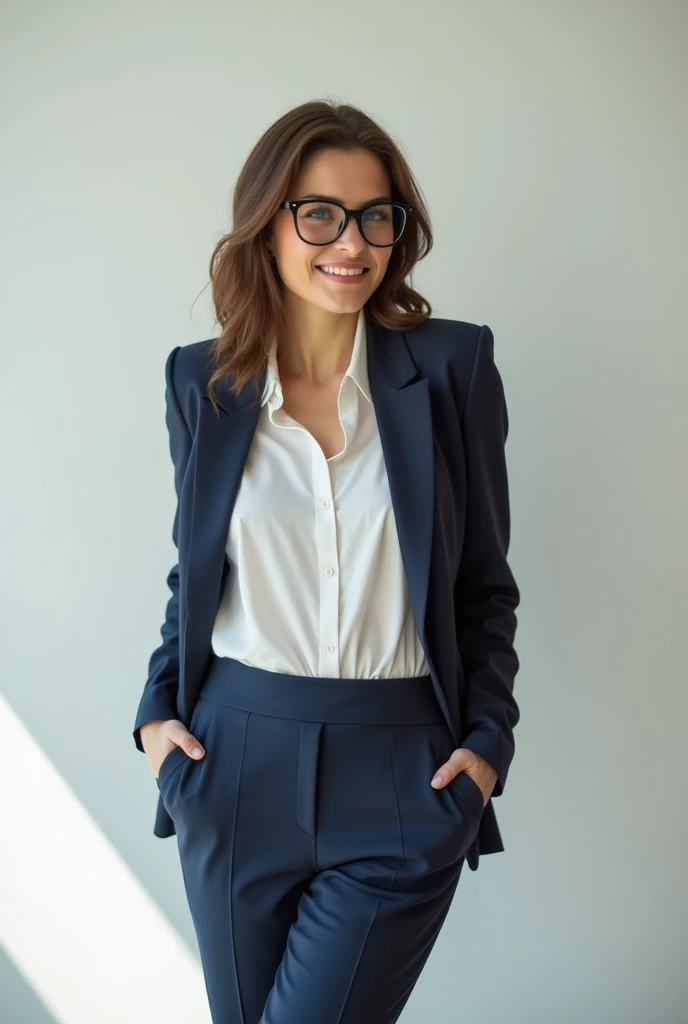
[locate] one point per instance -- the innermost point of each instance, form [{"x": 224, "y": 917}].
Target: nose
[{"x": 351, "y": 237}]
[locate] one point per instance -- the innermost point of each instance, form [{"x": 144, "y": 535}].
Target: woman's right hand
[{"x": 161, "y": 735}]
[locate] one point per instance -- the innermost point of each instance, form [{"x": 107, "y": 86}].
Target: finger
[
  {"x": 449, "y": 770},
  {"x": 180, "y": 735},
  {"x": 444, "y": 774}
]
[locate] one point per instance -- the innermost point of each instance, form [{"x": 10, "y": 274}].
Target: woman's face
[{"x": 353, "y": 178}]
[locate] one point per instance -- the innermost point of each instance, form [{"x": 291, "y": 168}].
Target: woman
[{"x": 331, "y": 708}]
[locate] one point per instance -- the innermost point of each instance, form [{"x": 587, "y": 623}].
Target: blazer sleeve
[
  {"x": 485, "y": 593},
  {"x": 159, "y": 698}
]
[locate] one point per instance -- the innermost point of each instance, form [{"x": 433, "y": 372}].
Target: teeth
[{"x": 340, "y": 270}]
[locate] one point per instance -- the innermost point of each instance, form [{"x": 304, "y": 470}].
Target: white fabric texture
[{"x": 316, "y": 584}]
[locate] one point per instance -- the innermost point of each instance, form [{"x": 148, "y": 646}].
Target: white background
[{"x": 550, "y": 142}]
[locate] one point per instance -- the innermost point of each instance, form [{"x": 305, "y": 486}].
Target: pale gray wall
[{"x": 550, "y": 141}]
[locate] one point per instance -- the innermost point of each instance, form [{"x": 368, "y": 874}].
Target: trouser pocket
[
  {"x": 170, "y": 762},
  {"x": 438, "y": 825}
]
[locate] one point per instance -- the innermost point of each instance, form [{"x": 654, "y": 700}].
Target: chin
[
  {"x": 345, "y": 305},
  {"x": 346, "y": 300}
]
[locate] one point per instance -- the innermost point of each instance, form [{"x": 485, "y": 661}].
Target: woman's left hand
[{"x": 473, "y": 764}]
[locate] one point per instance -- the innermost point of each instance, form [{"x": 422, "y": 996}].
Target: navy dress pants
[{"x": 318, "y": 861}]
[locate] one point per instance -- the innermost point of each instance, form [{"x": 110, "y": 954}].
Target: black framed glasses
[{"x": 321, "y": 223}]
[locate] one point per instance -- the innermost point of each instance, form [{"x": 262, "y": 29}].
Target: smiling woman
[
  {"x": 331, "y": 708},
  {"x": 339, "y": 197}
]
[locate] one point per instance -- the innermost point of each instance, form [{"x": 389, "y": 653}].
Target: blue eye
[
  {"x": 315, "y": 214},
  {"x": 377, "y": 214}
]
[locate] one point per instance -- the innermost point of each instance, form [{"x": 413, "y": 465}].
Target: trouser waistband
[{"x": 408, "y": 700}]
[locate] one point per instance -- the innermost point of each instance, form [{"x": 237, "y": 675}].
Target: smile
[{"x": 344, "y": 276}]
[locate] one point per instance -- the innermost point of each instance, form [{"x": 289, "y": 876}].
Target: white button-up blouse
[{"x": 316, "y": 584}]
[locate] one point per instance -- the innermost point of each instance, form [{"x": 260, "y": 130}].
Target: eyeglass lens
[{"x": 380, "y": 225}]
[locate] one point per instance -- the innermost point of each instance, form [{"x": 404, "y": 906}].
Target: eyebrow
[{"x": 334, "y": 199}]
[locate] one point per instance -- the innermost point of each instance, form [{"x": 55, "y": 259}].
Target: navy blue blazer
[{"x": 442, "y": 418}]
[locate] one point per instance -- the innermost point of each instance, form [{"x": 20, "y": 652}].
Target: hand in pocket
[{"x": 161, "y": 736}]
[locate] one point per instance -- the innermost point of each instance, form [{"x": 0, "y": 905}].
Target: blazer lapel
[
  {"x": 404, "y": 420},
  {"x": 402, "y": 408},
  {"x": 223, "y": 441}
]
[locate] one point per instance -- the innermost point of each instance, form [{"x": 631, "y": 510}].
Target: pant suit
[{"x": 318, "y": 862}]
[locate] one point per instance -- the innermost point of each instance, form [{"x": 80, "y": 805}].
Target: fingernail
[
  {"x": 196, "y": 752},
  {"x": 438, "y": 779}
]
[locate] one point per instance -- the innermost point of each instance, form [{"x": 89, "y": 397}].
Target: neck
[{"x": 319, "y": 343}]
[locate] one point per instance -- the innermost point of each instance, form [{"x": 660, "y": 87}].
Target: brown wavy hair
[{"x": 246, "y": 287}]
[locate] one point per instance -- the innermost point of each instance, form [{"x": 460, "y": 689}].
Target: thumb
[
  {"x": 459, "y": 760},
  {"x": 180, "y": 735}
]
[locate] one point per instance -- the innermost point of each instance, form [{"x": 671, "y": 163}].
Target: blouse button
[
  {"x": 324, "y": 504},
  {"x": 329, "y": 648},
  {"x": 329, "y": 572}
]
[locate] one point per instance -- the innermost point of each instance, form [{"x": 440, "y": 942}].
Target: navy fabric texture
[
  {"x": 319, "y": 863},
  {"x": 442, "y": 418}
]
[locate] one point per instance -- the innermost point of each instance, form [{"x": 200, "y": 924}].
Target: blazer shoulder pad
[
  {"x": 190, "y": 373},
  {"x": 455, "y": 342}
]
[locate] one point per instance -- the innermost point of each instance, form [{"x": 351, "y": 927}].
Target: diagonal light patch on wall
[
  {"x": 19, "y": 1002},
  {"x": 75, "y": 921}
]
